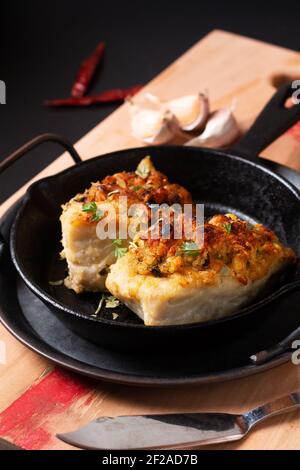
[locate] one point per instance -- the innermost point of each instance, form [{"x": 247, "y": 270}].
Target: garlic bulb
[
  {"x": 221, "y": 130},
  {"x": 152, "y": 126},
  {"x": 191, "y": 111}
]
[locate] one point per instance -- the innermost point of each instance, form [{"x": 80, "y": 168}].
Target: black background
[{"x": 43, "y": 42}]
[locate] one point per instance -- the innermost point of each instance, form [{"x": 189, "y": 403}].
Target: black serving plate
[{"x": 32, "y": 323}]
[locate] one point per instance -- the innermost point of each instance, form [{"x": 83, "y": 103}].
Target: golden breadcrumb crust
[
  {"x": 151, "y": 188},
  {"x": 245, "y": 251}
]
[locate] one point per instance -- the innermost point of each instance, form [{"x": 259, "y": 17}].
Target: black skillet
[{"x": 226, "y": 181}]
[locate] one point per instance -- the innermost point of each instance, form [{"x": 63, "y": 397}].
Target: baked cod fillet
[
  {"x": 89, "y": 257},
  {"x": 170, "y": 282}
]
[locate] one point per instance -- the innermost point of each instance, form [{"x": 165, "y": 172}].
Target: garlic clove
[
  {"x": 191, "y": 111},
  {"x": 221, "y": 130},
  {"x": 167, "y": 132},
  {"x": 152, "y": 126}
]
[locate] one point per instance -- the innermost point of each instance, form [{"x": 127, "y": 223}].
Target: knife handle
[{"x": 281, "y": 405}]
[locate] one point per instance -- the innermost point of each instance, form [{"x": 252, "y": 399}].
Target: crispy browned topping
[
  {"x": 154, "y": 189},
  {"x": 231, "y": 244},
  {"x": 150, "y": 187}
]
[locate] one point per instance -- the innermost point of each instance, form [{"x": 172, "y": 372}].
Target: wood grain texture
[{"x": 228, "y": 66}]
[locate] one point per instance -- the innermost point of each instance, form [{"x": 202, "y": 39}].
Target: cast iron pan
[
  {"x": 226, "y": 181},
  {"x": 32, "y": 323}
]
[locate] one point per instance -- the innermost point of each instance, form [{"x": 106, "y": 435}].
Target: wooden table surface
[{"x": 38, "y": 400}]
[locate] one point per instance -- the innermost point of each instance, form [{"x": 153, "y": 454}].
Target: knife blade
[{"x": 173, "y": 431}]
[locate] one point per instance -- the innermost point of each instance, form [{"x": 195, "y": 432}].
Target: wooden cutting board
[{"x": 37, "y": 400}]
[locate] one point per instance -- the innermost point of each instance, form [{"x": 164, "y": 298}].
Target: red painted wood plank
[
  {"x": 24, "y": 422},
  {"x": 295, "y": 131}
]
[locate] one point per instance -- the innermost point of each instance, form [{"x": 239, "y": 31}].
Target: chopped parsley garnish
[
  {"x": 136, "y": 188},
  {"x": 93, "y": 209},
  {"x": 89, "y": 207},
  {"x": 112, "y": 302},
  {"x": 97, "y": 216},
  {"x": 120, "y": 252},
  {"x": 189, "y": 248},
  {"x": 227, "y": 227},
  {"x": 144, "y": 168},
  {"x": 98, "y": 309},
  {"x": 120, "y": 182},
  {"x": 119, "y": 249}
]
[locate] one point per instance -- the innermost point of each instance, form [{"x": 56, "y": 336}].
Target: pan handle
[
  {"x": 40, "y": 139},
  {"x": 284, "y": 345},
  {"x": 273, "y": 121}
]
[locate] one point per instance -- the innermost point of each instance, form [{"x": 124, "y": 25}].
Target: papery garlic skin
[
  {"x": 191, "y": 111},
  {"x": 221, "y": 130},
  {"x": 152, "y": 126}
]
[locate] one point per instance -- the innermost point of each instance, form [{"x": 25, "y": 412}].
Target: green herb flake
[
  {"x": 136, "y": 188},
  {"x": 227, "y": 227},
  {"x": 144, "y": 168},
  {"x": 120, "y": 251},
  {"x": 97, "y": 216},
  {"x": 120, "y": 182},
  {"x": 189, "y": 248},
  {"x": 92, "y": 208},
  {"x": 112, "y": 302},
  {"x": 89, "y": 207},
  {"x": 98, "y": 309},
  {"x": 117, "y": 242}
]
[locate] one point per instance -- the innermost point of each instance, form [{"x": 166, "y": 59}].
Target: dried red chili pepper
[
  {"x": 86, "y": 71},
  {"x": 107, "y": 96}
]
